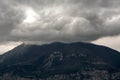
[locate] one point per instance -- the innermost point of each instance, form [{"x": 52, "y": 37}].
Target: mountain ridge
[{"x": 58, "y": 58}]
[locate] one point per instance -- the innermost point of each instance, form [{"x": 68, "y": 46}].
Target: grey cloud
[
  {"x": 59, "y": 20},
  {"x": 9, "y": 18}
]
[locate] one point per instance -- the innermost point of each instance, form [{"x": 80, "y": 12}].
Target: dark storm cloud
[
  {"x": 59, "y": 20},
  {"x": 9, "y": 18}
]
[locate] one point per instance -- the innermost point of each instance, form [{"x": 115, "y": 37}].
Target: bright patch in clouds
[
  {"x": 8, "y": 46},
  {"x": 30, "y": 16},
  {"x": 112, "y": 42},
  {"x": 5, "y": 48}
]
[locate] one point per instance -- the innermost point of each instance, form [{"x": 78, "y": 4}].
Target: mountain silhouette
[{"x": 60, "y": 61}]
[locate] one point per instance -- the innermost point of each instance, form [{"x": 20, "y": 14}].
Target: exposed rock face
[{"x": 59, "y": 61}]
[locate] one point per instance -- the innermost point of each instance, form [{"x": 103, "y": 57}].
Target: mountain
[{"x": 60, "y": 61}]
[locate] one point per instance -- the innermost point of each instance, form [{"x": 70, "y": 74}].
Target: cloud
[
  {"x": 112, "y": 42},
  {"x": 4, "y": 47},
  {"x": 9, "y": 18},
  {"x": 59, "y": 20}
]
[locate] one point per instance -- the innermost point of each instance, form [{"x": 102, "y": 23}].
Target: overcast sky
[{"x": 43, "y": 21}]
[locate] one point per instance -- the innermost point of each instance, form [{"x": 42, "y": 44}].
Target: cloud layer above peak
[{"x": 58, "y": 20}]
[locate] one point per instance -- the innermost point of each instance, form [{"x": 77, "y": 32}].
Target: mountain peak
[{"x": 59, "y": 58}]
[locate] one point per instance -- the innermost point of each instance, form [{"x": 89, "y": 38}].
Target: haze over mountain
[{"x": 60, "y": 61}]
